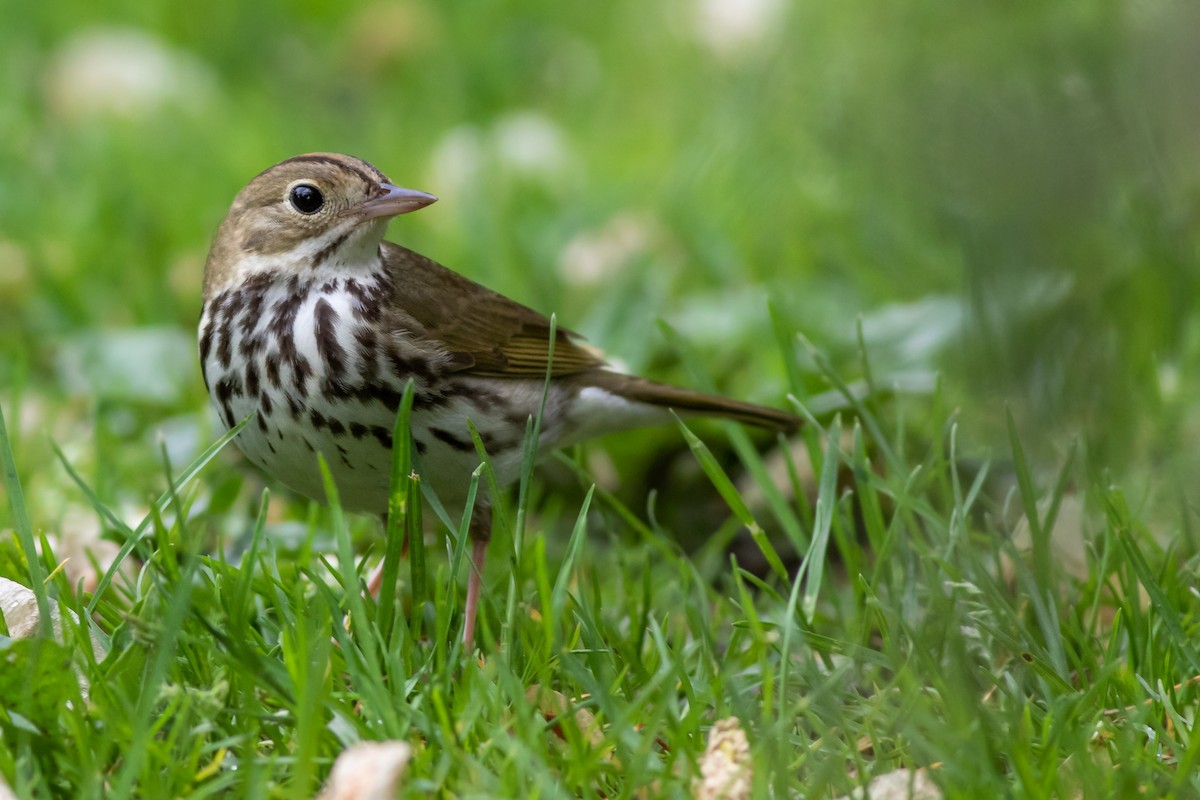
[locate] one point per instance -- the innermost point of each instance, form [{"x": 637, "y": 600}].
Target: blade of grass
[
  {"x": 1119, "y": 519},
  {"x": 241, "y": 593},
  {"x": 813, "y": 566},
  {"x": 864, "y": 359},
  {"x": 787, "y": 345},
  {"x": 157, "y": 668},
  {"x": 133, "y": 538},
  {"x": 457, "y": 555},
  {"x": 351, "y": 585},
  {"x": 399, "y": 497},
  {"x": 780, "y": 508},
  {"x": 746, "y": 451},
  {"x": 1038, "y": 534},
  {"x": 856, "y": 402},
  {"x": 868, "y": 494},
  {"x": 644, "y": 531},
  {"x": 417, "y": 563},
  {"x": 16, "y": 503},
  {"x": 729, "y": 493},
  {"x": 533, "y": 433},
  {"x": 574, "y": 548}
]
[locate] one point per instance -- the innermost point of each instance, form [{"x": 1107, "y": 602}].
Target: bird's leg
[
  {"x": 376, "y": 577},
  {"x": 374, "y": 581},
  {"x": 480, "y": 532}
]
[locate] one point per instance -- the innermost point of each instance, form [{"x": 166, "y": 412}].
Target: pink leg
[
  {"x": 376, "y": 577},
  {"x": 374, "y": 581},
  {"x": 480, "y": 533}
]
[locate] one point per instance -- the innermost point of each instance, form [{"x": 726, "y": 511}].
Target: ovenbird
[{"x": 313, "y": 324}]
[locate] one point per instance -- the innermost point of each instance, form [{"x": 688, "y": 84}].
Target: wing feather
[{"x": 486, "y": 333}]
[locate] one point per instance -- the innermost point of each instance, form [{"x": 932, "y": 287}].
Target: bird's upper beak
[{"x": 394, "y": 201}]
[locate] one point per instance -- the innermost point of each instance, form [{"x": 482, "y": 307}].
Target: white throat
[{"x": 345, "y": 250}]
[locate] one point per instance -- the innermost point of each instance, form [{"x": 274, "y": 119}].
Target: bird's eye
[{"x": 306, "y": 198}]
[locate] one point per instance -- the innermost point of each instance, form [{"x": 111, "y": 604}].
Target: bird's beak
[{"x": 394, "y": 201}]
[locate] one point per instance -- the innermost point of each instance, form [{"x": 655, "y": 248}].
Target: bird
[{"x": 312, "y": 325}]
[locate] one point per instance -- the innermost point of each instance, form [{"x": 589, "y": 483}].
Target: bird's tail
[{"x": 687, "y": 402}]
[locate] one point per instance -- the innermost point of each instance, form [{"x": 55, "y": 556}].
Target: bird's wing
[{"x": 485, "y": 333}]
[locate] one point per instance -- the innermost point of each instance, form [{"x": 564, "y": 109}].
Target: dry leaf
[
  {"x": 725, "y": 767},
  {"x": 18, "y": 605},
  {"x": 902, "y": 784},
  {"x": 553, "y": 705},
  {"x": 367, "y": 771}
]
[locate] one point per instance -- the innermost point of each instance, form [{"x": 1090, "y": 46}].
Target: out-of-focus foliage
[{"x": 1002, "y": 195}]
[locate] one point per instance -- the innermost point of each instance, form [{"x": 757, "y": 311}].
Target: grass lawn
[{"x": 961, "y": 241}]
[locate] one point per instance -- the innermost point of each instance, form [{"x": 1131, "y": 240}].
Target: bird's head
[{"x": 312, "y": 212}]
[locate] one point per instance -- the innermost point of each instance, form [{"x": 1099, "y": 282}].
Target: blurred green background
[{"x": 1006, "y": 194}]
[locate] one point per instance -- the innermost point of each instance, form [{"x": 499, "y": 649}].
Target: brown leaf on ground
[
  {"x": 18, "y": 606},
  {"x": 554, "y": 705},
  {"x": 367, "y": 771},
  {"x": 726, "y": 772},
  {"x": 902, "y": 784}
]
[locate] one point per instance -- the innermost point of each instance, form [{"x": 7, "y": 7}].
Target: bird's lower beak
[{"x": 394, "y": 201}]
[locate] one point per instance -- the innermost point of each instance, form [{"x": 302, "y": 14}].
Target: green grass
[
  {"x": 913, "y": 633},
  {"x": 978, "y": 558}
]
